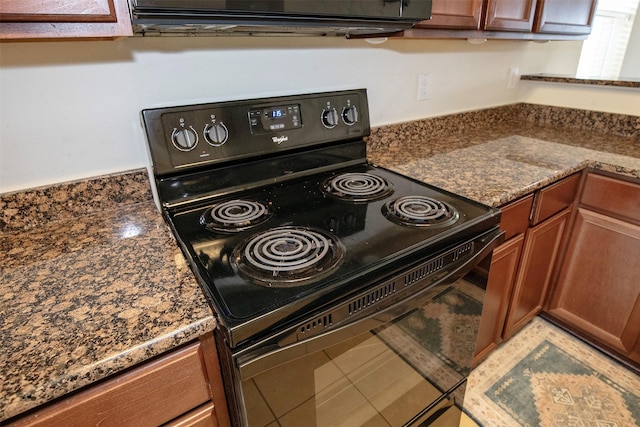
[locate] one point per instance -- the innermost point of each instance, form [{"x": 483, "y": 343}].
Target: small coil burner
[
  {"x": 235, "y": 215},
  {"x": 420, "y": 211},
  {"x": 357, "y": 187},
  {"x": 288, "y": 256}
]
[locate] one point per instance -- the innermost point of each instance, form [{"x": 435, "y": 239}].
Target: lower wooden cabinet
[
  {"x": 181, "y": 388},
  {"x": 541, "y": 248},
  {"x": 203, "y": 416},
  {"x": 502, "y": 274},
  {"x": 522, "y": 268},
  {"x": 597, "y": 293}
]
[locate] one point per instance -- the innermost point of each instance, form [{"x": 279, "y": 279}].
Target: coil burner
[
  {"x": 288, "y": 256},
  {"x": 420, "y": 211},
  {"x": 357, "y": 187},
  {"x": 235, "y": 215}
]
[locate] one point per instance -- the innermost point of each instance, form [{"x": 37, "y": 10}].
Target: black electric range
[{"x": 280, "y": 214}]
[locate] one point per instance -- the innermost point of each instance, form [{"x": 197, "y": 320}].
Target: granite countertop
[
  {"x": 629, "y": 82},
  {"x": 92, "y": 283},
  {"x": 507, "y": 161}
]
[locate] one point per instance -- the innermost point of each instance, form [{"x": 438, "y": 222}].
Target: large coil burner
[
  {"x": 420, "y": 211},
  {"x": 288, "y": 256},
  {"x": 357, "y": 187},
  {"x": 235, "y": 215}
]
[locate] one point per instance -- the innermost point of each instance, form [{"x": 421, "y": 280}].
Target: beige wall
[
  {"x": 585, "y": 97},
  {"x": 70, "y": 110}
]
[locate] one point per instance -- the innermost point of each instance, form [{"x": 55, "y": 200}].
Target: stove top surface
[{"x": 331, "y": 241}]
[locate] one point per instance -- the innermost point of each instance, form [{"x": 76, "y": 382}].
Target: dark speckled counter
[
  {"x": 628, "y": 82},
  {"x": 496, "y": 156},
  {"x": 92, "y": 283}
]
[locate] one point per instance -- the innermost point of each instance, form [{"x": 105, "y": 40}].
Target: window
[{"x": 603, "y": 53}]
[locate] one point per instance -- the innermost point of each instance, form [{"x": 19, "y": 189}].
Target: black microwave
[{"x": 257, "y": 17}]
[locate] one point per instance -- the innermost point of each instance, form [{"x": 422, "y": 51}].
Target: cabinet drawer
[
  {"x": 203, "y": 416},
  {"x": 614, "y": 196},
  {"x": 149, "y": 395},
  {"x": 554, "y": 198},
  {"x": 515, "y": 217}
]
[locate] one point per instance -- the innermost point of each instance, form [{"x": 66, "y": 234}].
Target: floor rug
[
  {"x": 439, "y": 339},
  {"x": 547, "y": 378}
]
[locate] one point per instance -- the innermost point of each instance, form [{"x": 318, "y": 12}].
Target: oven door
[{"x": 403, "y": 365}]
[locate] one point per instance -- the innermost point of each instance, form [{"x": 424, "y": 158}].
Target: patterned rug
[
  {"x": 544, "y": 377},
  {"x": 439, "y": 339}
]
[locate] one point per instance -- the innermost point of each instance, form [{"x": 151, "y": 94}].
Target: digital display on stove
[
  {"x": 276, "y": 113},
  {"x": 275, "y": 118}
]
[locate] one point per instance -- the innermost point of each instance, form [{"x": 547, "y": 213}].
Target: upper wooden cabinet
[
  {"x": 495, "y": 18},
  {"x": 465, "y": 14},
  {"x": 494, "y": 15},
  {"x": 51, "y": 19},
  {"x": 565, "y": 16},
  {"x": 509, "y": 15}
]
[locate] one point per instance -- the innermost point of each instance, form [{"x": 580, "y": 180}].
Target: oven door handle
[{"x": 270, "y": 353}]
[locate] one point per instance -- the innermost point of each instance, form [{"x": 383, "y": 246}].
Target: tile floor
[{"x": 355, "y": 383}]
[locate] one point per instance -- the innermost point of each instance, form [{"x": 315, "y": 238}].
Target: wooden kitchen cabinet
[
  {"x": 509, "y": 15},
  {"x": 542, "y": 244},
  {"x": 490, "y": 15},
  {"x": 565, "y": 16},
  {"x": 182, "y": 388},
  {"x": 495, "y": 15},
  {"x": 516, "y": 19},
  {"x": 462, "y": 14},
  {"x": 522, "y": 267},
  {"x": 502, "y": 275},
  {"x": 598, "y": 289},
  {"x": 51, "y": 19}
]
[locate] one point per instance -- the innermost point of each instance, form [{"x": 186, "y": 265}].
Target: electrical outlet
[
  {"x": 514, "y": 76},
  {"x": 424, "y": 86}
]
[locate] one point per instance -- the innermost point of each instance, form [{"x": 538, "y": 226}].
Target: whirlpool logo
[{"x": 279, "y": 139}]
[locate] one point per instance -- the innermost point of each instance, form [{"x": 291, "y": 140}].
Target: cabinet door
[
  {"x": 565, "y": 16},
  {"x": 58, "y": 11},
  {"x": 46, "y": 19},
  {"x": 598, "y": 289},
  {"x": 541, "y": 247},
  {"x": 510, "y": 15},
  {"x": 148, "y": 395},
  {"x": 502, "y": 274},
  {"x": 460, "y": 14}
]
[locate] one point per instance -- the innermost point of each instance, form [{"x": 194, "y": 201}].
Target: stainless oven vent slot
[
  {"x": 321, "y": 323},
  {"x": 372, "y": 297}
]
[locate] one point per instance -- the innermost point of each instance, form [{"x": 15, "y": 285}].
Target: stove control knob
[
  {"x": 216, "y": 134},
  {"x": 350, "y": 115},
  {"x": 184, "y": 139},
  {"x": 329, "y": 118}
]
